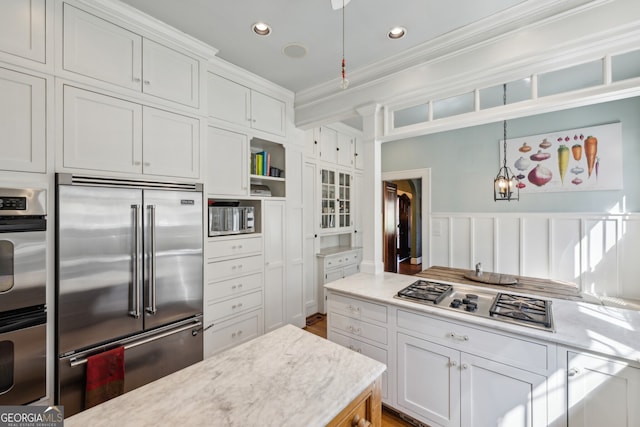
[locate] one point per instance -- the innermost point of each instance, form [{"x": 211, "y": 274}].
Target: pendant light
[
  {"x": 506, "y": 185},
  {"x": 344, "y": 82}
]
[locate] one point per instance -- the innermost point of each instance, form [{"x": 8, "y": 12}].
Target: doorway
[{"x": 406, "y": 201}]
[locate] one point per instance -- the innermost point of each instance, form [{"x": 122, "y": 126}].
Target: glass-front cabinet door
[
  {"x": 344, "y": 200},
  {"x": 335, "y": 190},
  {"x": 328, "y": 194}
]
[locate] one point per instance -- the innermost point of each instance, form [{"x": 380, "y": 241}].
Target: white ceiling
[{"x": 226, "y": 25}]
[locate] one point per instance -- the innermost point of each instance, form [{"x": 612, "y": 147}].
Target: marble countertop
[
  {"x": 606, "y": 330},
  {"x": 288, "y": 377},
  {"x": 337, "y": 250}
]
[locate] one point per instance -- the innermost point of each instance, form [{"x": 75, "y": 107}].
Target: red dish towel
[{"x": 105, "y": 377}]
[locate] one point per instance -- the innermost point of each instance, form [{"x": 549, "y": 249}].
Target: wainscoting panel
[{"x": 597, "y": 252}]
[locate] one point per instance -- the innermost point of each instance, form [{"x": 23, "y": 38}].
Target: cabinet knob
[
  {"x": 573, "y": 372},
  {"x": 453, "y": 363},
  {"x": 147, "y": 82},
  {"x": 137, "y": 163},
  {"x": 136, "y": 79},
  {"x": 147, "y": 164},
  {"x": 465, "y": 366}
]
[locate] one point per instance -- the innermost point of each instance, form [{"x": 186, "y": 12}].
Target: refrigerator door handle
[
  {"x": 152, "y": 309},
  {"x": 135, "y": 313}
]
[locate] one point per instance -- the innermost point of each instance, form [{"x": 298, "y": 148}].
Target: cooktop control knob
[
  {"x": 471, "y": 307},
  {"x": 455, "y": 303}
]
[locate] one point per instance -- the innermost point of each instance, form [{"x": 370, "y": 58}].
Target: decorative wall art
[{"x": 580, "y": 159}]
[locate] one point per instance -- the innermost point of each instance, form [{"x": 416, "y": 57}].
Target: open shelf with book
[{"x": 267, "y": 168}]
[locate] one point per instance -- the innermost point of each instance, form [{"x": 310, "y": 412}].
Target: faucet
[{"x": 479, "y": 269}]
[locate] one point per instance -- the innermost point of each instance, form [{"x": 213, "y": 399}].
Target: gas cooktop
[{"x": 517, "y": 309}]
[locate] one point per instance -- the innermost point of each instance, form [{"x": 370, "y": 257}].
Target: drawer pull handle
[
  {"x": 458, "y": 337},
  {"x": 353, "y": 309},
  {"x": 453, "y": 363},
  {"x": 355, "y": 331},
  {"x": 357, "y": 350},
  {"x": 234, "y": 306},
  {"x": 573, "y": 372},
  {"x": 238, "y": 286},
  {"x": 236, "y": 334}
]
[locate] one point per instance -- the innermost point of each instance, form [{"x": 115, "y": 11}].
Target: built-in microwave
[{"x": 231, "y": 220}]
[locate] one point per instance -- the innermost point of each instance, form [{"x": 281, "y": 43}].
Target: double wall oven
[{"x": 23, "y": 315}]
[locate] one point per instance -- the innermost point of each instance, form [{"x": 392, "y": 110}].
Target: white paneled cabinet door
[
  {"x": 267, "y": 113},
  {"x": 228, "y": 100},
  {"x": 602, "y": 392},
  {"x": 428, "y": 381},
  {"x": 493, "y": 394},
  {"x": 358, "y": 153},
  {"x": 22, "y": 28},
  {"x": 294, "y": 253},
  {"x": 171, "y": 144},
  {"x": 169, "y": 74},
  {"x": 101, "y": 132},
  {"x": 356, "y": 207},
  {"x": 227, "y": 163},
  {"x": 99, "y": 49},
  {"x": 310, "y": 237},
  {"x": 328, "y": 145},
  {"x": 22, "y": 122},
  {"x": 274, "y": 271},
  {"x": 345, "y": 150}
]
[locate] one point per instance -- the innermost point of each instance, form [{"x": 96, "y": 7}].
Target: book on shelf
[{"x": 261, "y": 163}]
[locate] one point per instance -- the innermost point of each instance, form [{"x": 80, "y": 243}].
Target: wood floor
[{"x": 317, "y": 324}]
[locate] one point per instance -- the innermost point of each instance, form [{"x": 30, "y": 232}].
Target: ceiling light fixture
[
  {"x": 397, "y": 33},
  {"x": 261, "y": 29},
  {"x": 344, "y": 82},
  {"x": 506, "y": 185}
]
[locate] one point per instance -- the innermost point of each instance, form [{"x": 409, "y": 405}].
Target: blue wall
[{"x": 464, "y": 162}]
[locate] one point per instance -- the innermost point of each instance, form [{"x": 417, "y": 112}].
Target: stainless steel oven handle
[
  {"x": 135, "y": 313},
  {"x": 152, "y": 309},
  {"x": 76, "y": 362}
]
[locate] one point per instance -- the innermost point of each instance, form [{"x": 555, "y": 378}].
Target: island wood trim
[{"x": 364, "y": 410}]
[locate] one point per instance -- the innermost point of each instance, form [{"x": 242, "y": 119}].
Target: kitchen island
[{"x": 287, "y": 377}]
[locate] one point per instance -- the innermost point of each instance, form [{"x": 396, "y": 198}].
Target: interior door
[
  {"x": 173, "y": 256},
  {"x": 404, "y": 226},
  {"x": 96, "y": 261},
  {"x": 389, "y": 219}
]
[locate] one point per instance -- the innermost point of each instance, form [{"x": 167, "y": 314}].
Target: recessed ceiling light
[
  {"x": 261, "y": 28},
  {"x": 397, "y": 33}
]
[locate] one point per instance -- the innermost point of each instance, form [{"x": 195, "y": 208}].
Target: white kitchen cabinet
[
  {"x": 362, "y": 327},
  {"x": 335, "y": 200},
  {"x": 358, "y": 153},
  {"x": 311, "y": 144},
  {"x": 310, "y": 239},
  {"x": 102, "y": 50},
  {"x": 454, "y": 380},
  {"x": 101, "y": 132},
  {"x": 227, "y": 163},
  {"x": 345, "y": 150},
  {"x": 333, "y": 264},
  {"x": 105, "y": 133},
  {"x": 328, "y": 151},
  {"x": 241, "y": 105},
  {"x": 170, "y": 144},
  {"x": 356, "y": 206},
  {"x": 234, "y": 292},
  {"x": 274, "y": 267},
  {"x": 22, "y": 121},
  {"x": 601, "y": 392},
  {"x": 294, "y": 238},
  {"x": 23, "y": 29}
]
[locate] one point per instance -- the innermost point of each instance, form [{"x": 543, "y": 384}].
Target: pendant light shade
[{"x": 506, "y": 186}]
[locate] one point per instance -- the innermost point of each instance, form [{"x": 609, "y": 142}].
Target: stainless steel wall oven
[{"x": 23, "y": 314}]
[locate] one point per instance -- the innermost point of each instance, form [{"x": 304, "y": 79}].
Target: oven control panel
[{"x": 13, "y": 203}]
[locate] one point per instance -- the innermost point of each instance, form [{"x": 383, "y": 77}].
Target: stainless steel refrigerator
[{"x": 129, "y": 271}]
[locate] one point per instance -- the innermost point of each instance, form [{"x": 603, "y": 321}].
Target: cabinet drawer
[
  {"x": 497, "y": 347},
  {"x": 335, "y": 261},
  {"x": 358, "y": 309},
  {"x": 234, "y": 247},
  {"x": 368, "y": 350},
  {"x": 231, "y": 287},
  {"x": 359, "y": 328},
  {"x": 232, "y": 332},
  {"x": 234, "y": 268},
  {"x": 233, "y": 306}
]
